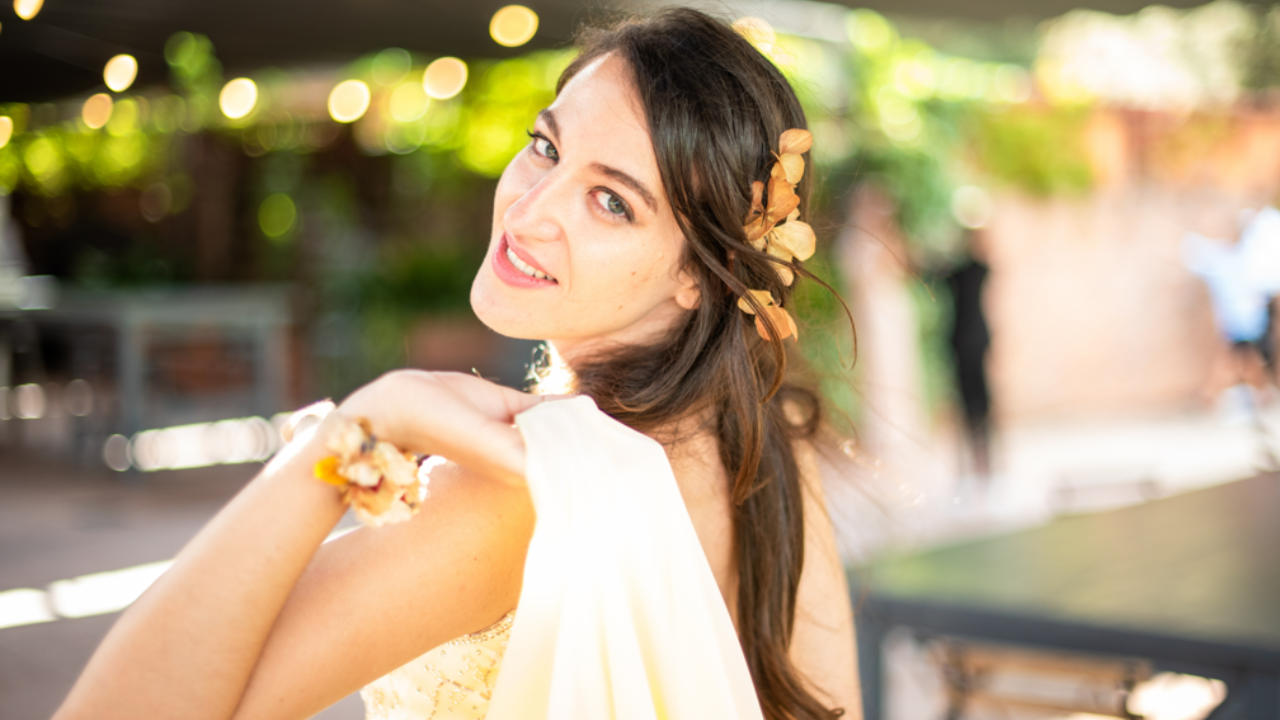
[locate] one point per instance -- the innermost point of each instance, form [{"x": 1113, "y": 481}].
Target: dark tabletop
[{"x": 1195, "y": 576}]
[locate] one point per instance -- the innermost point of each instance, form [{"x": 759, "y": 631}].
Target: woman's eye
[
  {"x": 614, "y": 204},
  {"x": 543, "y": 147}
]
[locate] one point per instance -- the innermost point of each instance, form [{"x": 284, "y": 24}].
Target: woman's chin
[{"x": 500, "y": 317}]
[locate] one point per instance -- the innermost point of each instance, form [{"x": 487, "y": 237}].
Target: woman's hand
[{"x": 462, "y": 417}]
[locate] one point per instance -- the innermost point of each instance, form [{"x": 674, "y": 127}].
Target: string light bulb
[
  {"x": 348, "y": 101},
  {"x": 6, "y": 130},
  {"x": 513, "y": 26},
  {"x": 97, "y": 110},
  {"x": 27, "y": 9},
  {"x": 120, "y": 72},
  {"x": 238, "y": 98},
  {"x": 444, "y": 78}
]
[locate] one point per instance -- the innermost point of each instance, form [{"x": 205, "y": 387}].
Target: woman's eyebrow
[
  {"x": 629, "y": 181},
  {"x": 547, "y": 116}
]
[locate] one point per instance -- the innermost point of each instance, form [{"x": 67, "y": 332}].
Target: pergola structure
[{"x": 61, "y": 52}]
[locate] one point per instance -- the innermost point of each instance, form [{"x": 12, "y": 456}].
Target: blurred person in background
[
  {"x": 618, "y": 236},
  {"x": 1243, "y": 279},
  {"x": 969, "y": 340}
]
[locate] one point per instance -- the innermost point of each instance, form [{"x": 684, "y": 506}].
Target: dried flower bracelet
[{"x": 381, "y": 483}]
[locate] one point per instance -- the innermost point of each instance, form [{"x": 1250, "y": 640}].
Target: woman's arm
[
  {"x": 252, "y": 621},
  {"x": 823, "y": 645}
]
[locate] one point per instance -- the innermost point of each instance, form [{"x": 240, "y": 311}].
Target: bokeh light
[
  {"x": 391, "y": 65},
  {"x": 870, "y": 32},
  {"x": 29, "y": 401},
  {"x": 77, "y": 397},
  {"x": 203, "y": 444},
  {"x": 513, "y": 26},
  {"x": 409, "y": 102},
  {"x": 27, "y": 9},
  {"x": 444, "y": 78},
  {"x": 972, "y": 206},
  {"x": 349, "y": 100},
  {"x": 97, "y": 110},
  {"x": 156, "y": 201},
  {"x": 1013, "y": 84},
  {"x": 758, "y": 32},
  {"x": 6, "y": 129},
  {"x": 115, "y": 453},
  {"x": 238, "y": 98},
  {"x": 120, "y": 72},
  {"x": 277, "y": 215}
]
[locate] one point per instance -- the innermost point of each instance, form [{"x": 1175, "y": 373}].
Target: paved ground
[{"x": 57, "y": 523}]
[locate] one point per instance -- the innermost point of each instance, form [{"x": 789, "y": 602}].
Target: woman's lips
[{"x": 512, "y": 275}]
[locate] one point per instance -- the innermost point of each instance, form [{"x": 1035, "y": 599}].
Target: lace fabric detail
[{"x": 453, "y": 681}]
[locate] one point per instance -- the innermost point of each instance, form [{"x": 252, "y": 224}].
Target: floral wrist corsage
[{"x": 381, "y": 483}]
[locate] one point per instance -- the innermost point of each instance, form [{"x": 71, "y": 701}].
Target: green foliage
[
  {"x": 920, "y": 185},
  {"x": 1259, "y": 51},
  {"x": 500, "y": 107},
  {"x": 934, "y": 311},
  {"x": 1039, "y": 150},
  {"x": 826, "y": 338},
  {"x": 404, "y": 283}
]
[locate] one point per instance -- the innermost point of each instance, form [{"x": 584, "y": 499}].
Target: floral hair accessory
[
  {"x": 776, "y": 227},
  {"x": 382, "y": 484},
  {"x": 781, "y": 318}
]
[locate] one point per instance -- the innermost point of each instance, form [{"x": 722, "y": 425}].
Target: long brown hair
[{"x": 716, "y": 108}]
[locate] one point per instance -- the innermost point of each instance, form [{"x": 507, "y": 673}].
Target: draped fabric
[{"x": 619, "y": 616}]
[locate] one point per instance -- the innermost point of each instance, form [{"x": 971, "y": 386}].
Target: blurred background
[{"x": 1050, "y": 220}]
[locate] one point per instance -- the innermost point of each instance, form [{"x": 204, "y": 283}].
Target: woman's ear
[{"x": 689, "y": 295}]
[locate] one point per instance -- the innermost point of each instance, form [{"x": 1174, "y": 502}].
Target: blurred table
[
  {"x": 258, "y": 316},
  {"x": 1191, "y": 583}
]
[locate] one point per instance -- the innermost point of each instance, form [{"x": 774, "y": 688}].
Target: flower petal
[
  {"x": 782, "y": 322},
  {"x": 796, "y": 236},
  {"x": 795, "y": 140},
  {"x": 778, "y": 250},
  {"x": 756, "y": 231},
  {"x": 791, "y": 322},
  {"x": 327, "y": 470},
  {"x": 764, "y": 297},
  {"x": 346, "y": 439},
  {"x": 362, "y": 472},
  {"x": 782, "y": 197},
  {"x": 792, "y": 166},
  {"x": 393, "y": 464}
]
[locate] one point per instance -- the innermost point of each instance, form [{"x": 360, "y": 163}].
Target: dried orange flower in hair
[
  {"x": 776, "y": 228},
  {"x": 773, "y": 226},
  {"x": 781, "y": 319}
]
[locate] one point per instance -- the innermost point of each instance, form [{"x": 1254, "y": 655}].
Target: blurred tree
[{"x": 1260, "y": 50}]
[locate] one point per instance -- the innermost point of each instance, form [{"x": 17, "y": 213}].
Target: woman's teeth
[{"x": 523, "y": 267}]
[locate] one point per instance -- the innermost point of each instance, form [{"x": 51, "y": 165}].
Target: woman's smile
[{"x": 518, "y": 268}]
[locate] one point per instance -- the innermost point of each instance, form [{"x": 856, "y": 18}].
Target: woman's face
[{"x": 585, "y": 249}]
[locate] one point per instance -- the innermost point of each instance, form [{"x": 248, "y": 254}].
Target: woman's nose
[{"x": 537, "y": 214}]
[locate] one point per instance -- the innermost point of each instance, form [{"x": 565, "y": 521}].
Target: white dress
[
  {"x": 452, "y": 682},
  {"x": 619, "y": 615}
]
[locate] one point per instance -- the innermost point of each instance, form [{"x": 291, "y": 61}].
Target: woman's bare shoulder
[{"x": 377, "y": 598}]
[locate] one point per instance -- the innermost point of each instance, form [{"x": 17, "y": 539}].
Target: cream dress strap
[{"x": 451, "y": 682}]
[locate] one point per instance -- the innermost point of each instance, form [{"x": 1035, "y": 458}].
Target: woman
[{"x": 618, "y": 236}]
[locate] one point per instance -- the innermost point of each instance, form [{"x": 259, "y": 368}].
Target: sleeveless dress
[
  {"x": 454, "y": 681},
  {"x": 619, "y": 613}
]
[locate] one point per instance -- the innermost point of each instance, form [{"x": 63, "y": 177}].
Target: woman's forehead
[{"x": 598, "y": 118}]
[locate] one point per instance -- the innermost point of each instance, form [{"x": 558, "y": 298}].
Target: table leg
[{"x": 871, "y": 634}]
